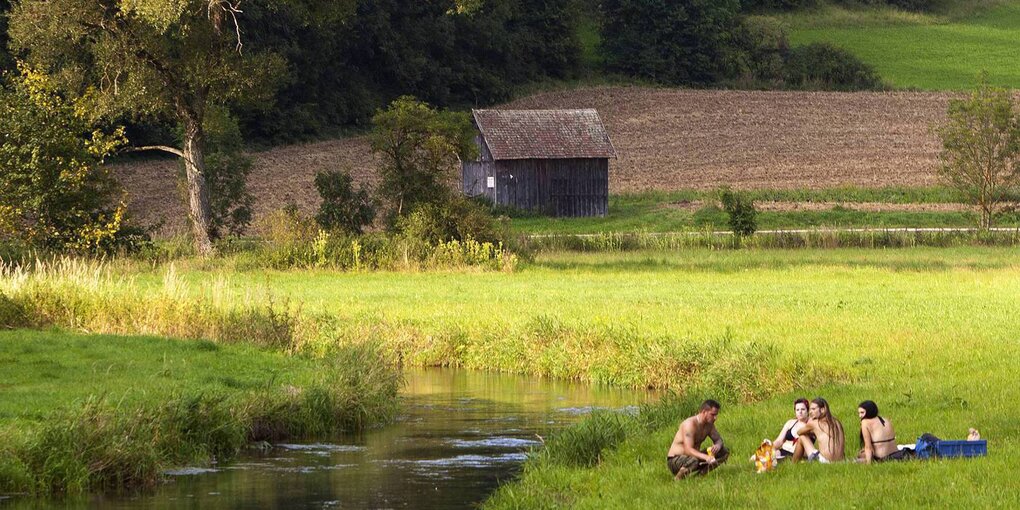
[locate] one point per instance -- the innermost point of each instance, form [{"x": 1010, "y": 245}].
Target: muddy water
[{"x": 460, "y": 435}]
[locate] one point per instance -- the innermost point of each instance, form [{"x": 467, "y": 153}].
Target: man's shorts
[{"x": 694, "y": 464}]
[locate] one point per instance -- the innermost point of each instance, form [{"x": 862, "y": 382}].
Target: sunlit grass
[
  {"x": 942, "y": 51},
  {"x": 930, "y": 334}
]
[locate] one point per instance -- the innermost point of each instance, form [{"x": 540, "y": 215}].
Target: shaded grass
[
  {"x": 942, "y": 51},
  {"x": 102, "y": 413}
]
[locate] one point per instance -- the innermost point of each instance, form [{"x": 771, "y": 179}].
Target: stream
[{"x": 460, "y": 435}]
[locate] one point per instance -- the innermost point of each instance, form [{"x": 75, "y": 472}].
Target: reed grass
[{"x": 801, "y": 239}]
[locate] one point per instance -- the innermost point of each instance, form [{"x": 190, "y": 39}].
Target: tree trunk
[{"x": 198, "y": 192}]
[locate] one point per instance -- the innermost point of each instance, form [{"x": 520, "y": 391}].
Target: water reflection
[{"x": 461, "y": 434}]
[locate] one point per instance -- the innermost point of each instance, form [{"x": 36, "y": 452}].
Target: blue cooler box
[{"x": 948, "y": 449}]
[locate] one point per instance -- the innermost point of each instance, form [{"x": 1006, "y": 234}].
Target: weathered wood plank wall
[{"x": 559, "y": 187}]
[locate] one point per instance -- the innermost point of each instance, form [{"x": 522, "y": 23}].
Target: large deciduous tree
[
  {"x": 150, "y": 58},
  {"x": 981, "y": 149}
]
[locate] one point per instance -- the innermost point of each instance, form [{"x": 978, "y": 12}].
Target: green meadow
[
  {"x": 928, "y": 333},
  {"x": 945, "y": 50}
]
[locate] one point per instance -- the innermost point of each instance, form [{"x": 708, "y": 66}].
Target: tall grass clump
[
  {"x": 100, "y": 445},
  {"x": 290, "y": 240},
  {"x": 799, "y": 239},
  {"x": 356, "y": 387},
  {"x": 377, "y": 252},
  {"x": 583, "y": 444},
  {"x": 86, "y": 295}
]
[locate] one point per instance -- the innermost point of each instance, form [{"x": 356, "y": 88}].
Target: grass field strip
[{"x": 891, "y": 230}]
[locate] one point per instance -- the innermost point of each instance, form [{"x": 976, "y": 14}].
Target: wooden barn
[{"x": 552, "y": 161}]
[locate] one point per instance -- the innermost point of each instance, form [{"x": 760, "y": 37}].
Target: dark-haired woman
[
  {"x": 830, "y": 440},
  {"x": 786, "y": 443},
  {"x": 878, "y": 438}
]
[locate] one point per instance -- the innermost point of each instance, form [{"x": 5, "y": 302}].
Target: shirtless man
[
  {"x": 684, "y": 456},
  {"x": 828, "y": 432}
]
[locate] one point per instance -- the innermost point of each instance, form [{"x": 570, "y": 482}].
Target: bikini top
[{"x": 789, "y": 434}]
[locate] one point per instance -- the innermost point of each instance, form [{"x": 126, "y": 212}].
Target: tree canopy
[
  {"x": 150, "y": 58},
  {"x": 420, "y": 147},
  {"x": 54, "y": 191}
]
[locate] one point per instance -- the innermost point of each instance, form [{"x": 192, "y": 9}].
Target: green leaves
[
  {"x": 981, "y": 148},
  {"x": 54, "y": 191},
  {"x": 421, "y": 148}
]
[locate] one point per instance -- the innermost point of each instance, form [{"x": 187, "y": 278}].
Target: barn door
[{"x": 506, "y": 188}]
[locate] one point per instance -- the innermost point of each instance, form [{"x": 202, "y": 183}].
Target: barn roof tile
[{"x": 544, "y": 134}]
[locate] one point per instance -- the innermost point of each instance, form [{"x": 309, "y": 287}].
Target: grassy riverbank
[
  {"x": 629, "y": 319},
  {"x": 94, "y": 412},
  {"x": 929, "y": 333}
]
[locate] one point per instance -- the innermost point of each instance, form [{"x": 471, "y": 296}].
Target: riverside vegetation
[
  {"x": 923, "y": 330},
  {"x": 84, "y": 413},
  {"x": 929, "y": 333}
]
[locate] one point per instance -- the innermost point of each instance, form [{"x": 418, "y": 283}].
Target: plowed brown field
[{"x": 666, "y": 139}]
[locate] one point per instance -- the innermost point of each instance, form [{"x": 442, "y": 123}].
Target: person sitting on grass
[
  {"x": 878, "y": 439},
  {"x": 684, "y": 456},
  {"x": 828, "y": 432},
  {"x": 786, "y": 443}
]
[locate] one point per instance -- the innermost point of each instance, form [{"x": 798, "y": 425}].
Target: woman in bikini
[
  {"x": 786, "y": 443},
  {"x": 878, "y": 438},
  {"x": 828, "y": 432}
]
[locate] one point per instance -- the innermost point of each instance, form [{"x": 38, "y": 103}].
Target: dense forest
[{"x": 341, "y": 69}]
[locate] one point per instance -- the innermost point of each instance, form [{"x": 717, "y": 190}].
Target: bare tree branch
[{"x": 165, "y": 148}]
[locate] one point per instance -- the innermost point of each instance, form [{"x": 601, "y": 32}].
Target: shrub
[
  {"x": 763, "y": 45},
  {"x": 286, "y": 226},
  {"x": 343, "y": 208},
  {"x": 740, "y": 209},
  {"x": 781, "y": 5},
  {"x": 909, "y": 5},
  {"x": 226, "y": 174},
  {"x": 822, "y": 66},
  {"x": 457, "y": 219},
  {"x": 12, "y": 314},
  {"x": 55, "y": 192}
]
